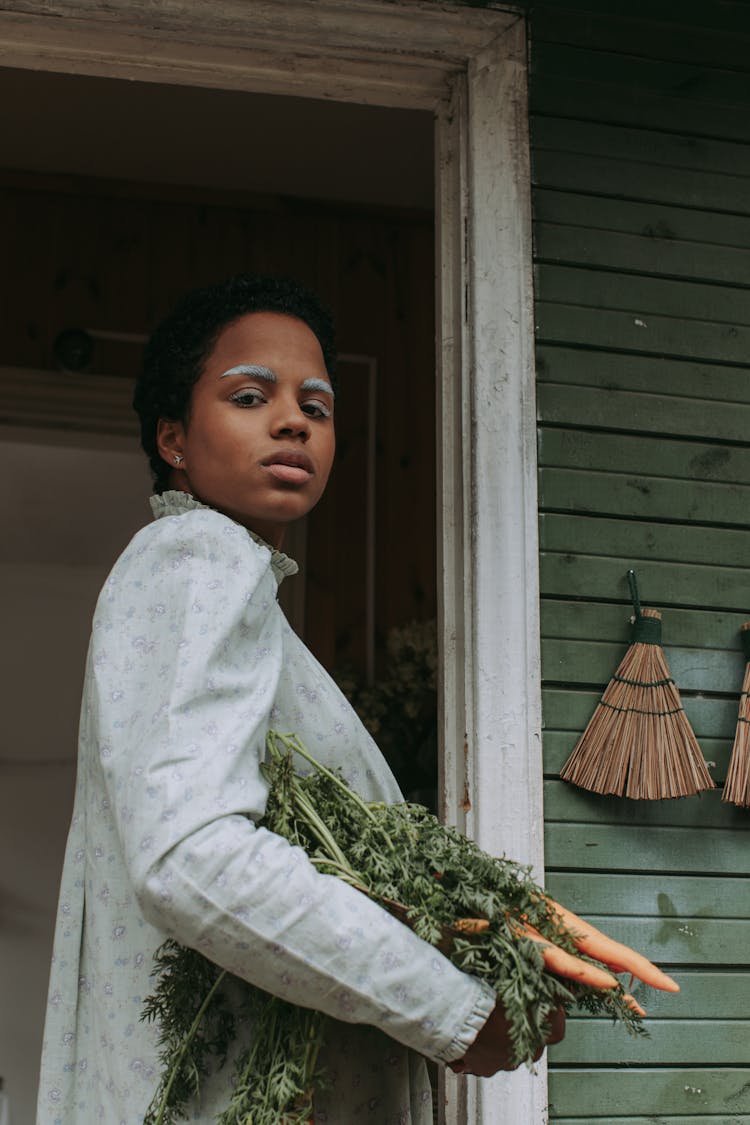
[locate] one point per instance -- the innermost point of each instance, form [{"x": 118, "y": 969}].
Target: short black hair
[{"x": 178, "y": 348}]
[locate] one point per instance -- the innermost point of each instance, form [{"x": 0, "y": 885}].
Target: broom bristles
[
  {"x": 737, "y": 784},
  {"x": 639, "y": 742}
]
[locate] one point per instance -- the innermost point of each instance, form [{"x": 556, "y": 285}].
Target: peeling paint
[
  {"x": 710, "y": 461},
  {"x": 738, "y": 1094},
  {"x": 665, "y": 905},
  {"x": 466, "y": 800},
  {"x": 659, "y": 230}
]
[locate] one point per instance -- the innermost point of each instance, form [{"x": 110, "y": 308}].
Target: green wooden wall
[{"x": 641, "y": 171}]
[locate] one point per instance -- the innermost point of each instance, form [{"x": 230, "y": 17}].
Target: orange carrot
[
  {"x": 633, "y": 1004},
  {"x": 620, "y": 958},
  {"x": 471, "y": 925},
  {"x": 564, "y": 964}
]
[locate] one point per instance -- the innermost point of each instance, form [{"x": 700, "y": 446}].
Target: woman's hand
[{"x": 492, "y": 1050}]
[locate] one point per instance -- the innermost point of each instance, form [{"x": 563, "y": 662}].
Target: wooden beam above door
[{"x": 380, "y": 54}]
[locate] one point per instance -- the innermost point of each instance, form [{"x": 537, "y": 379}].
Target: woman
[{"x": 191, "y": 662}]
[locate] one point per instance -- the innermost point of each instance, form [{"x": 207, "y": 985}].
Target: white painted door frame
[{"x": 468, "y": 66}]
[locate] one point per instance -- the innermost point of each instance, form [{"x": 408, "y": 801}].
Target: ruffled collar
[{"x": 176, "y": 503}]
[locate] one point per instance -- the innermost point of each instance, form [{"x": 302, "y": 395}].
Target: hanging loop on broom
[
  {"x": 633, "y": 584},
  {"x": 646, "y": 623}
]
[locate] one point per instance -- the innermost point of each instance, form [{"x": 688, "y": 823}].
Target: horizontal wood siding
[{"x": 641, "y": 162}]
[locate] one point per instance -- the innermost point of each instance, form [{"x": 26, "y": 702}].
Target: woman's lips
[
  {"x": 291, "y": 467},
  {"x": 290, "y": 474}
]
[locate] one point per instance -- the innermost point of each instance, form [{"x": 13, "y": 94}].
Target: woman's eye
[
  {"x": 316, "y": 409},
  {"x": 249, "y": 396}
]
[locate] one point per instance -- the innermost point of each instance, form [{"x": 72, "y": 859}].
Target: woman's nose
[{"x": 291, "y": 421}]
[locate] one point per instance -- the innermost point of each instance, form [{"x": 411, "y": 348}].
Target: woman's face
[{"x": 259, "y": 441}]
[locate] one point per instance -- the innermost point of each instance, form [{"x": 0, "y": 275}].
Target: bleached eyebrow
[
  {"x": 255, "y": 370},
  {"x": 318, "y": 385},
  {"x": 258, "y": 371}
]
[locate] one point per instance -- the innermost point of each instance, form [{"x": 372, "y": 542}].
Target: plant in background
[{"x": 400, "y": 708}]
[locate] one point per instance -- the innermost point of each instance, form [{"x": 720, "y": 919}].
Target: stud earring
[{"x": 178, "y": 458}]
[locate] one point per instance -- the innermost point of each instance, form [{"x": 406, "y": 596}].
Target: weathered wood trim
[
  {"x": 417, "y": 27},
  {"x": 488, "y": 529},
  {"x": 453, "y": 519},
  {"x": 365, "y": 51}
]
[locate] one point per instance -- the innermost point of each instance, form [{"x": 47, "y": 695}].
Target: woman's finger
[{"x": 556, "y": 1024}]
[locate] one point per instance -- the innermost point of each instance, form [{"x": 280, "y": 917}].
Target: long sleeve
[{"x": 186, "y": 659}]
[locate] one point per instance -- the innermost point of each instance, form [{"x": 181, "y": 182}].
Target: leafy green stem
[
  {"x": 179, "y": 1057},
  {"x": 320, "y": 829},
  {"x": 344, "y": 873},
  {"x": 293, "y": 743}
]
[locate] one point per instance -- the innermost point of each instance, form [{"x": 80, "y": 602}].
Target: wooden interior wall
[
  {"x": 641, "y": 164},
  {"x": 112, "y": 258}
]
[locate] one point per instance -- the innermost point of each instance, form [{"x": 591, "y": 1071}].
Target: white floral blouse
[{"x": 191, "y": 662}]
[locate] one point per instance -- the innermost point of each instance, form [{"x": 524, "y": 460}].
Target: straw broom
[
  {"x": 737, "y": 784},
  {"x": 639, "y": 742}
]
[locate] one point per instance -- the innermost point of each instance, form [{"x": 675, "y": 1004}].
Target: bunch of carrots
[
  {"x": 593, "y": 944},
  {"x": 485, "y": 914}
]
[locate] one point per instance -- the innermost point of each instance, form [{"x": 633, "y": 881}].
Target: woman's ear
[{"x": 170, "y": 441}]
